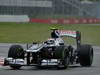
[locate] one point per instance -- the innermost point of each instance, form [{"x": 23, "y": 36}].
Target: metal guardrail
[
  {"x": 79, "y": 6},
  {"x": 36, "y": 8},
  {"x": 26, "y": 3}
]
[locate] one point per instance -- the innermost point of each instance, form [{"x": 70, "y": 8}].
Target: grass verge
[{"x": 28, "y": 32}]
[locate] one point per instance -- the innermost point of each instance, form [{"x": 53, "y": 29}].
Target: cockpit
[{"x": 50, "y": 41}]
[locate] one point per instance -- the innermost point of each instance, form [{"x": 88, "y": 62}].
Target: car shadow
[{"x": 33, "y": 68}]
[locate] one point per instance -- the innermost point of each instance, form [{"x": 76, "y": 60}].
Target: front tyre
[
  {"x": 16, "y": 52},
  {"x": 86, "y": 55}
]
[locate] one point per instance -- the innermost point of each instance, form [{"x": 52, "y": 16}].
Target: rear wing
[
  {"x": 70, "y": 33},
  {"x": 67, "y": 33}
]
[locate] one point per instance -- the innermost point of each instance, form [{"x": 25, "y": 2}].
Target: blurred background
[
  {"x": 39, "y": 15},
  {"x": 51, "y": 8}
]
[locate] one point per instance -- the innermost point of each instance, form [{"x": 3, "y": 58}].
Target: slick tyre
[
  {"x": 64, "y": 62},
  {"x": 59, "y": 52},
  {"x": 16, "y": 52},
  {"x": 86, "y": 55}
]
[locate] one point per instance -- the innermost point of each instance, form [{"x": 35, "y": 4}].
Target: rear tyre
[
  {"x": 16, "y": 52},
  {"x": 64, "y": 63},
  {"x": 86, "y": 55},
  {"x": 59, "y": 52},
  {"x": 64, "y": 59}
]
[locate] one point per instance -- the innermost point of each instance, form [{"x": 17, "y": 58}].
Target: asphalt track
[{"x": 72, "y": 70}]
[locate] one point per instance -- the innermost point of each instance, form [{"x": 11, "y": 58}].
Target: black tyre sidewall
[
  {"x": 16, "y": 52},
  {"x": 64, "y": 60},
  {"x": 86, "y": 55},
  {"x": 59, "y": 52}
]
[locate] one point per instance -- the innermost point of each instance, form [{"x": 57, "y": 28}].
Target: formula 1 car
[{"x": 53, "y": 52}]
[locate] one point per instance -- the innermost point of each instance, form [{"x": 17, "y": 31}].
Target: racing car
[{"x": 52, "y": 52}]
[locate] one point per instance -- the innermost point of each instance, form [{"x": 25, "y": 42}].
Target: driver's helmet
[
  {"x": 53, "y": 29},
  {"x": 50, "y": 41}
]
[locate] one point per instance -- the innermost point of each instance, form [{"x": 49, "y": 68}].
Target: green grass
[{"x": 28, "y": 32}]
